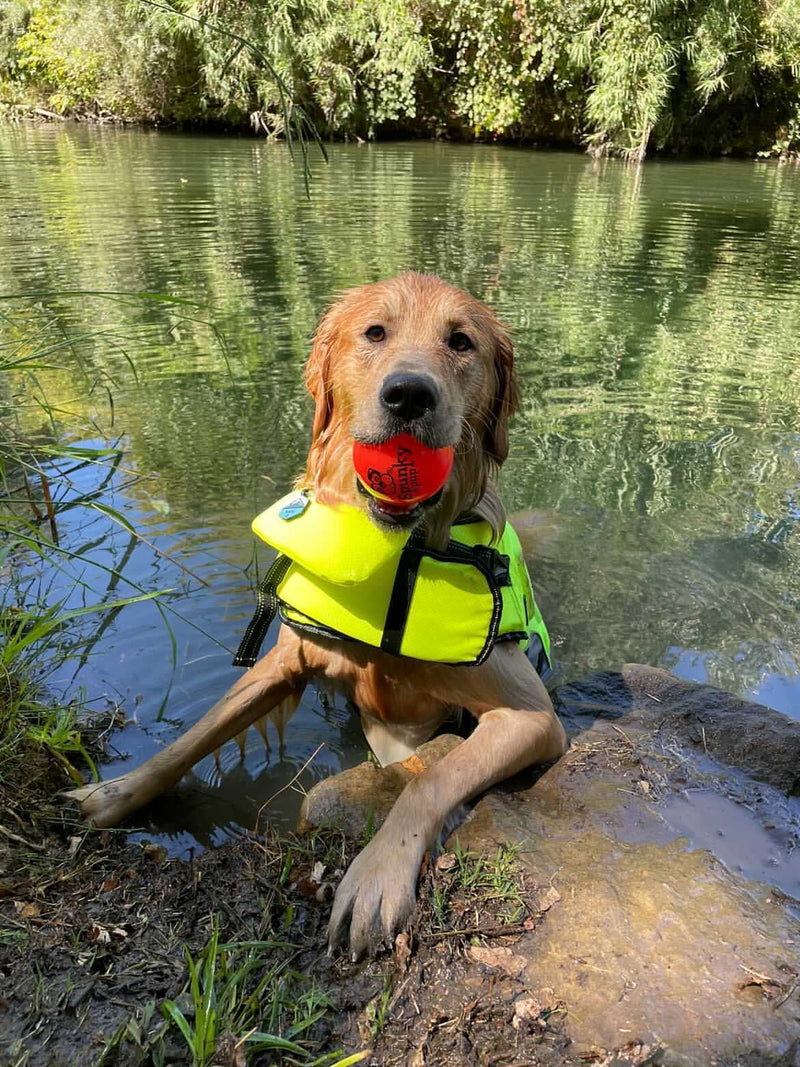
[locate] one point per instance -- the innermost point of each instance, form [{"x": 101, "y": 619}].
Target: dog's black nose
[{"x": 409, "y": 396}]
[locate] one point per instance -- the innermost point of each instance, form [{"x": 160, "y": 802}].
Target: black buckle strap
[
  {"x": 494, "y": 565},
  {"x": 266, "y": 607}
]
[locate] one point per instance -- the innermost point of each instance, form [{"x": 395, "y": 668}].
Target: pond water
[{"x": 656, "y": 314}]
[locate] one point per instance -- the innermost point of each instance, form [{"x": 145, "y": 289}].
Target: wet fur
[
  {"x": 402, "y": 701},
  {"x": 483, "y": 445}
]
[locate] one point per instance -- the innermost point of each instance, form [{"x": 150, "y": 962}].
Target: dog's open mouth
[{"x": 396, "y": 516}]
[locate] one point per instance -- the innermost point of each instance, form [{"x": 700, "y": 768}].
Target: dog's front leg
[
  {"x": 378, "y": 893},
  {"x": 275, "y": 678}
]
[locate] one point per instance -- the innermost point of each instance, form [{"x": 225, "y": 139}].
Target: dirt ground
[
  {"x": 638, "y": 917},
  {"x": 94, "y": 937}
]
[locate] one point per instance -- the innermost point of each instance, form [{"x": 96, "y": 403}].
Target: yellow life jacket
[{"x": 339, "y": 575}]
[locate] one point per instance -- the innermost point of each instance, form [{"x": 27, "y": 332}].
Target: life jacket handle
[{"x": 266, "y": 609}]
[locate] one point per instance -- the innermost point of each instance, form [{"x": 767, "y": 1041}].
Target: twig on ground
[
  {"x": 283, "y": 788},
  {"x": 21, "y": 840},
  {"x": 509, "y": 930}
]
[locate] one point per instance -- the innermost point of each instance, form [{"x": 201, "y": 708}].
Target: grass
[
  {"x": 465, "y": 883},
  {"x": 227, "y": 984},
  {"x": 377, "y": 1008},
  {"x": 492, "y": 879},
  {"x": 249, "y": 996}
]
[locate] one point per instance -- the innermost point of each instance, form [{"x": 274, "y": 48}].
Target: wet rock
[
  {"x": 655, "y": 943},
  {"x": 363, "y": 796},
  {"x": 762, "y": 742},
  {"x": 653, "y": 850}
]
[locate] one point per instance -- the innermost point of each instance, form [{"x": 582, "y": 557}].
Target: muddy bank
[{"x": 638, "y": 902}]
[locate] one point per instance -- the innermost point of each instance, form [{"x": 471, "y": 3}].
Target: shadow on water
[{"x": 656, "y": 315}]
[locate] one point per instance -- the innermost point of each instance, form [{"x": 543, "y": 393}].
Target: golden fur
[
  {"x": 402, "y": 701},
  {"x": 423, "y": 307}
]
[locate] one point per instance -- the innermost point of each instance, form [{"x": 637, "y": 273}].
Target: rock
[
  {"x": 364, "y": 795},
  {"x": 654, "y": 945},
  {"x": 762, "y": 742}
]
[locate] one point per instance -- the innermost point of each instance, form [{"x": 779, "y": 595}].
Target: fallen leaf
[
  {"x": 402, "y": 951},
  {"x": 527, "y": 1009},
  {"x": 105, "y": 934},
  {"x": 413, "y": 764},
  {"x": 317, "y": 871},
  {"x": 534, "y": 1004},
  {"x": 26, "y": 909},
  {"x": 548, "y": 899},
  {"x": 644, "y": 785},
  {"x": 110, "y": 883},
  {"x": 502, "y": 959},
  {"x": 74, "y": 845},
  {"x": 156, "y": 854}
]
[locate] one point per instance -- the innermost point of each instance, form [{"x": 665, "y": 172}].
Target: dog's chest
[{"x": 386, "y": 688}]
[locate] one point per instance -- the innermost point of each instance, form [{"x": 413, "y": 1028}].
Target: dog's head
[{"x": 412, "y": 355}]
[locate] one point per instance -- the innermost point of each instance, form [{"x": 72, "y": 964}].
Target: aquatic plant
[{"x": 49, "y": 589}]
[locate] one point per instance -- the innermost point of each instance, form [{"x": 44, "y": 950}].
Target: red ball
[{"x": 402, "y": 471}]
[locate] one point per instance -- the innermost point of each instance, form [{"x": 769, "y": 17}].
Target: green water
[{"x": 656, "y": 314}]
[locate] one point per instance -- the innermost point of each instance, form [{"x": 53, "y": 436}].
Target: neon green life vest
[{"x": 339, "y": 575}]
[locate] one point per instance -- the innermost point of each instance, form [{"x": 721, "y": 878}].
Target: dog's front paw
[{"x": 376, "y": 897}]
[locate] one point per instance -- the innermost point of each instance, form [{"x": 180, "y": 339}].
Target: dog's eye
[
  {"x": 459, "y": 342},
  {"x": 375, "y": 333}
]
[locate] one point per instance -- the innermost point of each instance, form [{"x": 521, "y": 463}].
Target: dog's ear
[
  {"x": 318, "y": 377},
  {"x": 506, "y": 398}
]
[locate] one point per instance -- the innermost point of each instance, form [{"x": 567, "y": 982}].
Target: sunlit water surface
[{"x": 656, "y": 314}]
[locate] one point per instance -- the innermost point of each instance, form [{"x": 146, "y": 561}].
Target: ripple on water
[{"x": 655, "y": 313}]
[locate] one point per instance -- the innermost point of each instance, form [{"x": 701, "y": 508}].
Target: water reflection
[{"x": 656, "y": 314}]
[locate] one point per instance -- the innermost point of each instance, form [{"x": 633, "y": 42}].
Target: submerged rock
[
  {"x": 670, "y": 837},
  {"x": 359, "y": 799},
  {"x": 740, "y": 733}
]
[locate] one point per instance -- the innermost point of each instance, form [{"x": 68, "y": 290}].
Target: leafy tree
[{"x": 619, "y": 76}]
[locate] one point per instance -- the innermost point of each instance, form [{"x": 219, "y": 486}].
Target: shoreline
[
  {"x": 533, "y": 940},
  {"x": 40, "y": 116}
]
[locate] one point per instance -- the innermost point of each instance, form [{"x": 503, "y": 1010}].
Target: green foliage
[
  {"x": 377, "y": 1008},
  {"x": 620, "y": 76},
  {"x": 236, "y": 988},
  {"x": 108, "y": 59},
  {"x": 14, "y": 15}
]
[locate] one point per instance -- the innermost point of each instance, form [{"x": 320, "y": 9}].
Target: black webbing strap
[
  {"x": 266, "y": 607},
  {"x": 402, "y": 591}
]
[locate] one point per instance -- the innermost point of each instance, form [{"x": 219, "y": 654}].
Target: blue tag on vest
[{"x": 294, "y": 507}]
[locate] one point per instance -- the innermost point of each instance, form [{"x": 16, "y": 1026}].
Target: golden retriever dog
[{"x": 455, "y": 364}]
